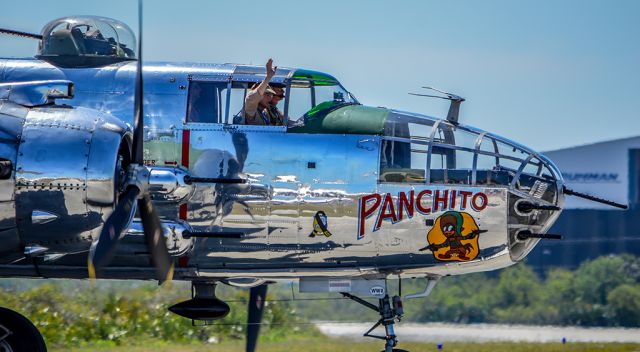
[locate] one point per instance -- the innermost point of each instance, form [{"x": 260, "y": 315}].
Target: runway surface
[{"x": 437, "y": 332}]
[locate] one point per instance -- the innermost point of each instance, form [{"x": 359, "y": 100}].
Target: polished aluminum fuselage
[{"x": 292, "y": 177}]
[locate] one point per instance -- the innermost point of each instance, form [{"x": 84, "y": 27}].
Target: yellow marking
[
  {"x": 169, "y": 278},
  {"x": 92, "y": 270}
]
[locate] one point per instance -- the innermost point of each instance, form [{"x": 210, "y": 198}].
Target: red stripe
[
  {"x": 183, "y": 211},
  {"x": 186, "y": 144}
]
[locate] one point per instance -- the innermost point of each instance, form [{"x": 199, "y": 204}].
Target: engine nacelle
[{"x": 67, "y": 164}]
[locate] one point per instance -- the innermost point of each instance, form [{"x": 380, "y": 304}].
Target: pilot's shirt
[
  {"x": 275, "y": 115},
  {"x": 253, "y": 115}
]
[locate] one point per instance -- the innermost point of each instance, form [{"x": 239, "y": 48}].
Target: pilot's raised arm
[{"x": 258, "y": 98}]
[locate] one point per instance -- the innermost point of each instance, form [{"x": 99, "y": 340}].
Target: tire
[{"x": 24, "y": 336}]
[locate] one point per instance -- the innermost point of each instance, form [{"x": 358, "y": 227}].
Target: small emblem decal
[
  {"x": 376, "y": 291},
  {"x": 454, "y": 237},
  {"x": 320, "y": 223}
]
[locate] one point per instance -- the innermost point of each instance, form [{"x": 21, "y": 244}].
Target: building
[{"x": 609, "y": 170}]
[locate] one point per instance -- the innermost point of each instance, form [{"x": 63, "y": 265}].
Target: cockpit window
[
  {"x": 404, "y": 161},
  {"x": 299, "y": 101},
  {"x": 452, "y": 155},
  {"x": 415, "y": 150},
  {"x": 312, "y": 99},
  {"x": 204, "y": 101}
]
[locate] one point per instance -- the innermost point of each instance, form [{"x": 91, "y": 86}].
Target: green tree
[
  {"x": 593, "y": 280},
  {"x": 624, "y": 305},
  {"x": 592, "y": 283},
  {"x": 518, "y": 286}
]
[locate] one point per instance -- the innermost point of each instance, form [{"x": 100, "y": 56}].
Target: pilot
[
  {"x": 258, "y": 98},
  {"x": 275, "y": 115}
]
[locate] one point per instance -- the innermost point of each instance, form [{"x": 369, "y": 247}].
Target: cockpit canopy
[
  {"x": 309, "y": 95},
  {"x": 86, "y": 41}
]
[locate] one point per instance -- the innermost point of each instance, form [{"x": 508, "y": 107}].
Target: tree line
[{"x": 601, "y": 292}]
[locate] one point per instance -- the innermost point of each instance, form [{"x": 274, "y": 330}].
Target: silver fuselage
[{"x": 291, "y": 178}]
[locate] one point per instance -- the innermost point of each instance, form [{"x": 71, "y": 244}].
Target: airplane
[{"x": 341, "y": 197}]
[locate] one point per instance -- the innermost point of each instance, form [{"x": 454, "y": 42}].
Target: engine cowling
[{"x": 67, "y": 165}]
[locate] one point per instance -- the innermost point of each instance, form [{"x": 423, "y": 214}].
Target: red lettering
[
  {"x": 405, "y": 203},
  {"x": 453, "y": 199},
  {"x": 365, "y": 212},
  {"x": 419, "y": 206},
  {"x": 440, "y": 200},
  {"x": 474, "y": 201},
  {"x": 388, "y": 212},
  {"x": 464, "y": 195}
]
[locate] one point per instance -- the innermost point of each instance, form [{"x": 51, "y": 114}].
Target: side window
[
  {"x": 452, "y": 155},
  {"x": 236, "y": 102},
  {"x": 204, "y": 101},
  {"x": 299, "y": 101},
  {"x": 402, "y": 162},
  {"x": 234, "y": 111}
]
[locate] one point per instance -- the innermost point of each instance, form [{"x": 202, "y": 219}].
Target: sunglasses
[{"x": 280, "y": 96}]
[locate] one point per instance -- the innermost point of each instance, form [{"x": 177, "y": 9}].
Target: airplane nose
[
  {"x": 455, "y": 154},
  {"x": 535, "y": 202}
]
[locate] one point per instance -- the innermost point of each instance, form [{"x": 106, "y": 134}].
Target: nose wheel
[{"x": 390, "y": 310}]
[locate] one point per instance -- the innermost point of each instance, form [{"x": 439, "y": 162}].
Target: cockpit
[
  {"x": 86, "y": 41},
  {"x": 309, "y": 96}
]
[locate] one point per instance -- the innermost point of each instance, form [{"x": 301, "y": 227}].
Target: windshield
[{"x": 306, "y": 98}]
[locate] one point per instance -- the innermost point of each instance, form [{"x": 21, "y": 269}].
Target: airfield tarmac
[{"x": 439, "y": 332}]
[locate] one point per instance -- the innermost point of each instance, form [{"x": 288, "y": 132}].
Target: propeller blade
[
  {"x": 257, "y": 297},
  {"x": 104, "y": 249},
  {"x": 138, "y": 114},
  {"x": 155, "y": 239}
]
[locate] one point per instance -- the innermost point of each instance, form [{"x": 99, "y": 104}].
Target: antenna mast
[{"x": 454, "y": 108}]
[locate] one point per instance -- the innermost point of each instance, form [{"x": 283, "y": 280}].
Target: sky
[{"x": 547, "y": 74}]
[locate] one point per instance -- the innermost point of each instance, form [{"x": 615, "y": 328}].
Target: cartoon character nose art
[{"x": 454, "y": 237}]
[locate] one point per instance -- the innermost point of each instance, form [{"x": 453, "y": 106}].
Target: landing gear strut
[{"x": 389, "y": 310}]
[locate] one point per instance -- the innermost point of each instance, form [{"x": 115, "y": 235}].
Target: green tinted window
[{"x": 318, "y": 78}]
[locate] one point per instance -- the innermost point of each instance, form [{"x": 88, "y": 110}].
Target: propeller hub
[{"x": 138, "y": 176}]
